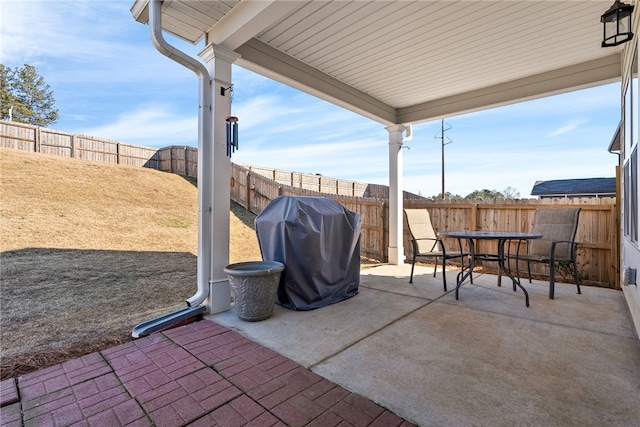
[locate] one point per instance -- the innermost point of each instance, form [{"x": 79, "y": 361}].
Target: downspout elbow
[
  {"x": 155, "y": 22},
  {"x": 199, "y": 297}
]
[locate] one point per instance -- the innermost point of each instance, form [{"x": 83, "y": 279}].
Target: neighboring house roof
[{"x": 602, "y": 187}]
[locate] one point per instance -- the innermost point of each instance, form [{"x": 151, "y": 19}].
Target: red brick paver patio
[{"x": 201, "y": 374}]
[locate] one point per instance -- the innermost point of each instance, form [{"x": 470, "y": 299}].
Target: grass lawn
[{"x": 88, "y": 250}]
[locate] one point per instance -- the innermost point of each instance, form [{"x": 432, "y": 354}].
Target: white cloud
[
  {"x": 149, "y": 125},
  {"x": 339, "y": 160},
  {"x": 82, "y": 41},
  {"x": 568, "y": 127},
  {"x": 262, "y": 110},
  {"x": 36, "y": 29}
]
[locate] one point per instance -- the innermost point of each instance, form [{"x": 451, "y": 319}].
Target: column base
[
  {"x": 396, "y": 255},
  {"x": 219, "y": 299}
]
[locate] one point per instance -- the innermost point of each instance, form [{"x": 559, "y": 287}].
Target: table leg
[
  {"x": 516, "y": 282},
  {"x": 466, "y": 272}
]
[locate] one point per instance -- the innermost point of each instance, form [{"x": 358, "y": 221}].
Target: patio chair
[
  {"x": 557, "y": 246},
  {"x": 425, "y": 243}
]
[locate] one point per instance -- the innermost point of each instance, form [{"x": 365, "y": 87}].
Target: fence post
[
  {"x": 72, "y": 145},
  {"x": 383, "y": 238},
  {"x": 36, "y": 139},
  {"x": 474, "y": 216},
  {"x": 118, "y": 153},
  {"x": 186, "y": 162},
  {"x": 248, "y": 190},
  {"x": 615, "y": 265}
]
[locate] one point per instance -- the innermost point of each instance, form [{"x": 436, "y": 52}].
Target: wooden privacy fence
[
  {"x": 597, "y": 228},
  {"x": 254, "y": 191},
  {"x": 597, "y": 254},
  {"x": 47, "y": 141},
  {"x": 253, "y": 188},
  {"x": 182, "y": 160},
  {"x": 310, "y": 182}
]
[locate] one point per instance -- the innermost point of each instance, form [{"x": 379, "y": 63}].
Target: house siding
[{"x": 629, "y": 222}]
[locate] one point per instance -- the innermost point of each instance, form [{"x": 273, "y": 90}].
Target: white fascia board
[
  {"x": 247, "y": 20},
  {"x": 615, "y": 146},
  {"x": 140, "y": 11},
  {"x": 269, "y": 62},
  {"x": 588, "y": 74}
]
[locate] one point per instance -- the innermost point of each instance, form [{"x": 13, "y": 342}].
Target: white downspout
[{"x": 205, "y": 147}]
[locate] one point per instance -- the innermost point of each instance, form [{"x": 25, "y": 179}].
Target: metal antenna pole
[
  {"x": 442, "y": 137},
  {"x": 442, "y": 130}
]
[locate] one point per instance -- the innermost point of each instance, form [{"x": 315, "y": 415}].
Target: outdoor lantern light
[
  {"x": 232, "y": 135},
  {"x": 617, "y": 24}
]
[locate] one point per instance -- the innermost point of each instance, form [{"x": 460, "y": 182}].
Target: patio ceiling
[{"x": 401, "y": 62}]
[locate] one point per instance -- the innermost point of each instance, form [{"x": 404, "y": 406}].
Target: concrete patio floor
[
  {"x": 483, "y": 360},
  {"x": 396, "y": 354}
]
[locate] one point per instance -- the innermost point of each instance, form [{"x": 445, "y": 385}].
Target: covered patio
[
  {"x": 485, "y": 359},
  {"x": 397, "y": 63},
  {"x": 414, "y": 353}
]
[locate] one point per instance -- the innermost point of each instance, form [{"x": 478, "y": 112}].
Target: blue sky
[{"x": 109, "y": 81}]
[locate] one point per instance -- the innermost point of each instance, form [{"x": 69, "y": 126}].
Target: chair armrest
[
  {"x": 437, "y": 244},
  {"x": 435, "y": 241},
  {"x": 427, "y": 238},
  {"x": 462, "y": 252}
]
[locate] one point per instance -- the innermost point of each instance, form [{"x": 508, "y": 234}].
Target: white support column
[
  {"x": 396, "y": 247},
  {"x": 219, "y": 60}
]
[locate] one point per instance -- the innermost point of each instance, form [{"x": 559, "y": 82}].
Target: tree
[
  {"x": 6, "y": 98},
  {"x": 511, "y": 193},
  {"x": 508, "y": 193},
  {"x": 447, "y": 196},
  {"x": 28, "y": 96},
  {"x": 485, "y": 194}
]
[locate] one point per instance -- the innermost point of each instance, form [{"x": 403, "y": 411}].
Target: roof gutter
[
  {"x": 615, "y": 145},
  {"x": 205, "y": 150}
]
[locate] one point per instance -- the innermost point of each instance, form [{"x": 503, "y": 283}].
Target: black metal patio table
[{"x": 501, "y": 237}]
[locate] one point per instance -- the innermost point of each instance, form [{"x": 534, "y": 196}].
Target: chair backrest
[
  {"x": 554, "y": 225},
  {"x": 419, "y": 224}
]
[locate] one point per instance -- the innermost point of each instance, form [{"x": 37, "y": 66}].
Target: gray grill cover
[{"x": 318, "y": 241}]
